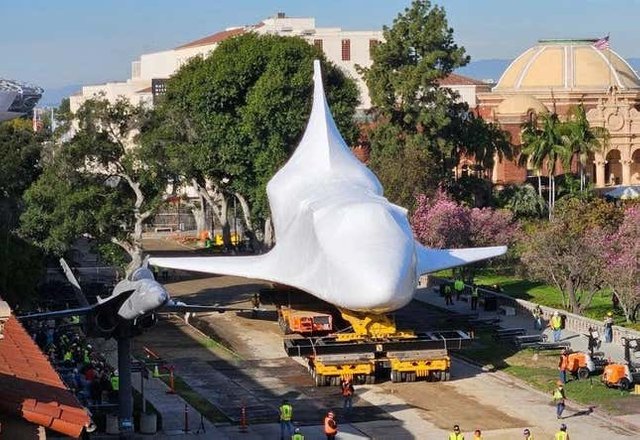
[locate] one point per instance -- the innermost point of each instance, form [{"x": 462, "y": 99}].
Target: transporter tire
[
  {"x": 319, "y": 379},
  {"x": 583, "y": 373},
  {"x": 370, "y": 379},
  {"x": 624, "y": 384},
  {"x": 394, "y": 376},
  {"x": 446, "y": 375}
]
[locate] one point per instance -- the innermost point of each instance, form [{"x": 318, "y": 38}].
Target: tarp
[{"x": 624, "y": 192}]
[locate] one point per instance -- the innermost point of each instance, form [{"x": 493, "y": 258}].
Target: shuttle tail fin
[{"x": 433, "y": 260}]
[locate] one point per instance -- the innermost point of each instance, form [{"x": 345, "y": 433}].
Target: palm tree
[
  {"x": 523, "y": 201},
  {"x": 543, "y": 144},
  {"x": 581, "y": 140}
]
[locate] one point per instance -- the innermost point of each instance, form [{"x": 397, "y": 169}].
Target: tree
[
  {"x": 440, "y": 222},
  {"x": 622, "y": 271},
  {"x": 581, "y": 140},
  {"x": 239, "y": 114},
  {"x": 106, "y": 182},
  {"x": 522, "y": 200},
  {"x": 544, "y": 146},
  {"x": 20, "y": 263},
  {"x": 416, "y": 117},
  {"x": 413, "y": 113},
  {"x": 567, "y": 251}
]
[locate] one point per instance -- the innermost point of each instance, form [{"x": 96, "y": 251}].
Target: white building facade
[{"x": 346, "y": 49}]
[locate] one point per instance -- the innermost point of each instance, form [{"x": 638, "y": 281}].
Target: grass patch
[
  {"x": 212, "y": 344},
  {"x": 540, "y": 370},
  {"x": 546, "y": 295},
  {"x": 193, "y": 398}
]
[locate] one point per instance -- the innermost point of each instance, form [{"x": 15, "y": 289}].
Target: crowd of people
[{"x": 83, "y": 369}]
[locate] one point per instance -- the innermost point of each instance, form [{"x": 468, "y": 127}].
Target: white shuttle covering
[{"x": 337, "y": 237}]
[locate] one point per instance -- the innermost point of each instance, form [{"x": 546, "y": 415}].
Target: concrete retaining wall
[{"x": 576, "y": 323}]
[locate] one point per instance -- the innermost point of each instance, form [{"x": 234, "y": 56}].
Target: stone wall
[{"x": 573, "y": 322}]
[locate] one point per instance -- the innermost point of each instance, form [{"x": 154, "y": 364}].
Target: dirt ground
[
  {"x": 259, "y": 371},
  {"x": 255, "y": 340}
]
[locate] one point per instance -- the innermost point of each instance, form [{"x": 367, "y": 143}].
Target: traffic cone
[
  {"x": 243, "y": 419},
  {"x": 156, "y": 372}
]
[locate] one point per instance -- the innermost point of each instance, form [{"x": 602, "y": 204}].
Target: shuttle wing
[
  {"x": 433, "y": 260},
  {"x": 262, "y": 267}
]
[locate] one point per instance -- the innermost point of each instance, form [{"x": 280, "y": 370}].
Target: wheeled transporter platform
[{"x": 366, "y": 356}]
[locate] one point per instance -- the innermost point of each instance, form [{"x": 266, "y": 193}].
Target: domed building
[{"x": 555, "y": 75}]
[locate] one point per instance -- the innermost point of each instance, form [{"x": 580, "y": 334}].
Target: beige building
[
  {"x": 555, "y": 75},
  {"x": 344, "y": 48}
]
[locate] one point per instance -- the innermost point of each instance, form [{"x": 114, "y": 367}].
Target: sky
[{"x": 63, "y": 42}]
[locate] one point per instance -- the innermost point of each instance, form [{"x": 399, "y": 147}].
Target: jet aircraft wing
[
  {"x": 180, "y": 307},
  {"x": 60, "y": 313},
  {"x": 433, "y": 260}
]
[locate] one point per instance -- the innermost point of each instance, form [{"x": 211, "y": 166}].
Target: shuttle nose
[{"x": 380, "y": 273}]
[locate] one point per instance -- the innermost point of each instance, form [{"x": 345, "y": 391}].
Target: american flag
[{"x": 602, "y": 43}]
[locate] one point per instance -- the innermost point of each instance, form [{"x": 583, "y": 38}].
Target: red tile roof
[
  {"x": 31, "y": 388},
  {"x": 453, "y": 79},
  {"x": 215, "y": 38}
]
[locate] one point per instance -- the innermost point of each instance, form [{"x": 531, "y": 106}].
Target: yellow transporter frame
[
  {"x": 407, "y": 366},
  {"x": 330, "y": 369}
]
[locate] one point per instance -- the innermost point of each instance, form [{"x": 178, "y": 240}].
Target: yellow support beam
[{"x": 373, "y": 326}]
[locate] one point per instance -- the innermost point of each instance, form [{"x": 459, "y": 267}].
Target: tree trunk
[
  {"x": 540, "y": 185},
  {"x": 269, "y": 237},
  {"x": 248, "y": 224},
  {"x": 574, "y": 304},
  {"x": 136, "y": 260},
  {"x": 549, "y": 196},
  {"x": 198, "y": 210},
  {"x": 218, "y": 203}
]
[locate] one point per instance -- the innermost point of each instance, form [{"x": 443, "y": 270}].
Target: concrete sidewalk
[
  {"x": 578, "y": 342},
  {"x": 170, "y": 406}
]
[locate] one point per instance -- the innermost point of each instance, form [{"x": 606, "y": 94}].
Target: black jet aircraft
[{"x": 133, "y": 305}]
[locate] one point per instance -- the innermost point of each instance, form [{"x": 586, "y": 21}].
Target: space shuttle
[{"x": 337, "y": 237}]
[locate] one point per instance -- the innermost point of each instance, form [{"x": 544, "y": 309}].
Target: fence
[
  {"x": 99, "y": 274},
  {"x": 573, "y": 322}
]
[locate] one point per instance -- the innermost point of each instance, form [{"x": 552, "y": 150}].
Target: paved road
[{"x": 494, "y": 402}]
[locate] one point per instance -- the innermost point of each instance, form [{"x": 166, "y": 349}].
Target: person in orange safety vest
[
  {"x": 347, "y": 394},
  {"x": 330, "y": 426}
]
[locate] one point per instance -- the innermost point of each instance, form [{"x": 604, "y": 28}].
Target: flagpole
[{"x": 609, "y": 62}]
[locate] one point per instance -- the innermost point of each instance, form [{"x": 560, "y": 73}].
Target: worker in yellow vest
[
  {"x": 456, "y": 434},
  {"x": 562, "y": 434},
  {"x": 556, "y": 326},
  {"x": 297, "y": 435},
  {"x": 115, "y": 381},
  {"x": 475, "y": 294},
  {"x": 286, "y": 415},
  {"x": 448, "y": 295},
  {"x": 458, "y": 286},
  {"x": 559, "y": 396},
  {"x": 527, "y": 434}
]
